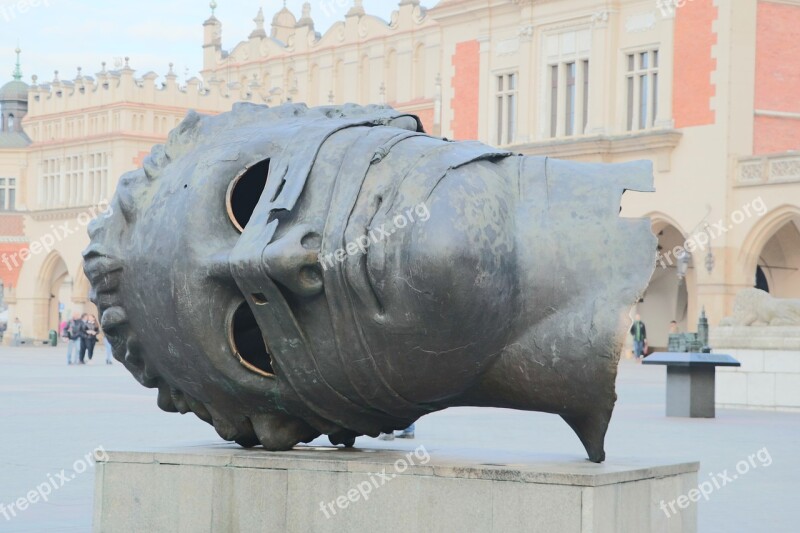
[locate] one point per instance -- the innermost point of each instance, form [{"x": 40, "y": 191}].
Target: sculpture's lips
[{"x": 102, "y": 270}]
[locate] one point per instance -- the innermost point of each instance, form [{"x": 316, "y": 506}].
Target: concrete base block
[
  {"x": 224, "y": 489},
  {"x": 690, "y": 392},
  {"x": 768, "y": 379}
]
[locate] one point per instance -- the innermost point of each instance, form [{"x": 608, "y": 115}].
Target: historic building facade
[{"x": 706, "y": 89}]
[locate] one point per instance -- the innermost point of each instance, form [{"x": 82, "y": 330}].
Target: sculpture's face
[
  {"x": 242, "y": 310},
  {"x": 288, "y": 272}
]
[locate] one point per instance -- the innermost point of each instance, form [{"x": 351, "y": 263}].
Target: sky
[{"x": 66, "y": 34}]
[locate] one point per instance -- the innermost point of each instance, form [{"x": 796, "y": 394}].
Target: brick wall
[
  {"x": 11, "y": 228},
  {"x": 426, "y": 116},
  {"x": 464, "y": 104},
  {"x": 692, "y": 88},
  {"x": 777, "y": 77}
]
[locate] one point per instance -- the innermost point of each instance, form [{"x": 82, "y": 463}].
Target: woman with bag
[{"x": 88, "y": 336}]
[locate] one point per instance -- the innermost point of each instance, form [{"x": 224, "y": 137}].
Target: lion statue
[{"x": 754, "y": 307}]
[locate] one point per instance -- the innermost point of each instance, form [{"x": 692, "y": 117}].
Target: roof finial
[
  {"x": 306, "y": 19},
  {"x": 17, "y": 69},
  {"x": 213, "y": 6},
  {"x": 259, "y": 31},
  {"x": 357, "y": 9}
]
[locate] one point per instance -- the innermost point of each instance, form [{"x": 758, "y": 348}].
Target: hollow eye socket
[
  {"x": 248, "y": 343},
  {"x": 244, "y": 192}
]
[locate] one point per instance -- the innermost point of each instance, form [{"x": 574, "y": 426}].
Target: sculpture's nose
[{"x": 292, "y": 261}]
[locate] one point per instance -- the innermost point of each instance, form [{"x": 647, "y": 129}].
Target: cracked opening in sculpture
[{"x": 514, "y": 293}]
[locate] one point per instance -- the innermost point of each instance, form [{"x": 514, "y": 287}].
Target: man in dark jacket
[
  {"x": 72, "y": 336},
  {"x": 639, "y": 333}
]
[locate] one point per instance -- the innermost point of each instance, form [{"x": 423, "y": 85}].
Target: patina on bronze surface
[{"x": 226, "y": 277}]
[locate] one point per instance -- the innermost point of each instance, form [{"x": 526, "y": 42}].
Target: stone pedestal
[
  {"x": 225, "y": 489},
  {"x": 690, "y": 392},
  {"x": 769, "y": 377}
]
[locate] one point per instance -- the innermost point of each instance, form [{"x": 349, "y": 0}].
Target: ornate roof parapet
[
  {"x": 118, "y": 87},
  {"x": 301, "y": 38}
]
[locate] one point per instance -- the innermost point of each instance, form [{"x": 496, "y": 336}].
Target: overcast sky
[{"x": 65, "y": 34}]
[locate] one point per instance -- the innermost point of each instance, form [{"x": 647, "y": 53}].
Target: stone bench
[{"x": 690, "y": 381}]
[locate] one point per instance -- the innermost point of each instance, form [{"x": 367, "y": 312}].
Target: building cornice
[
  {"x": 61, "y": 213},
  {"x": 105, "y": 137},
  {"x": 104, "y": 108},
  {"x": 603, "y": 145}
]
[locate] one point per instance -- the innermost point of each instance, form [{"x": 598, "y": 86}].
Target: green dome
[{"x": 14, "y": 90}]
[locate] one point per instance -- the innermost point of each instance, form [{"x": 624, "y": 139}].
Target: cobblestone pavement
[{"x": 53, "y": 415}]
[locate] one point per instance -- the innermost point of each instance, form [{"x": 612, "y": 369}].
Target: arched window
[
  {"x": 338, "y": 95},
  {"x": 419, "y": 72},
  {"x": 364, "y": 73},
  {"x": 313, "y": 85},
  {"x": 390, "y": 76},
  {"x": 10, "y": 123}
]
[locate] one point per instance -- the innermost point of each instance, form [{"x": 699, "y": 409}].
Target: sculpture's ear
[{"x": 292, "y": 261}]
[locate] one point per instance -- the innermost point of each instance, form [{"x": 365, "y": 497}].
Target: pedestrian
[
  {"x": 407, "y": 433},
  {"x": 107, "y": 346},
  {"x": 71, "y": 333},
  {"x": 639, "y": 333},
  {"x": 88, "y": 336},
  {"x": 16, "y": 329},
  {"x": 673, "y": 328}
]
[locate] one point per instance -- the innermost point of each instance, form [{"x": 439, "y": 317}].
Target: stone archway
[
  {"x": 779, "y": 261},
  {"x": 668, "y": 297},
  {"x": 53, "y": 295},
  {"x": 771, "y": 252}
]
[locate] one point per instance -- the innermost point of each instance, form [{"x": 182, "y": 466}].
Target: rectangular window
[
  {"x": 573, "y": 96},
  {"x": 8, "y": 194},
  {"x": 506, "y": 108},
  {"x": 569, "y": 125},
  {"x": 642, "y": 90},
  {"x": 553, "y": 100},
  {"x": 585, "y": 95}
]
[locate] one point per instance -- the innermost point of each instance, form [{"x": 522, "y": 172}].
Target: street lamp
[
  {"x": 709, "y": 255},
  {"x": 684, "y": 258}
]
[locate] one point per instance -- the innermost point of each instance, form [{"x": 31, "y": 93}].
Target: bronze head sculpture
[{"x": 290, "y": 272}]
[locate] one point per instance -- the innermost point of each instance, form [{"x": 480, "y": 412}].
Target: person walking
[
  {"x": 639, "y": 333},
  {"x": 16, "y": 329},
  {"x": 88, "y": 337},
  {"x": 109, "y": 352},
  {"x": 407, "y": 433},
  {"x": 72, "y": 336}
]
